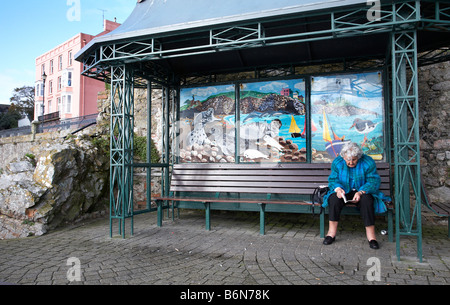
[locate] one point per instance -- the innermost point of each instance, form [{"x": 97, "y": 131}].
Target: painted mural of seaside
[
  {"x": 205, "y": 136},
  {"x": 272, "y": 120},
  {"x": 347, "y": 108},
  {"x": 272, "y": 123}
]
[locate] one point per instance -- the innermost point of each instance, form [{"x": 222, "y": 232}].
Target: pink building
[
  {"x": 68, "y": 94},
  {"x": 285, "y": 92}
]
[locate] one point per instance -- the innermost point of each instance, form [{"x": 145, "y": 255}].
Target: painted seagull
[{"x": 364, "y": 127}]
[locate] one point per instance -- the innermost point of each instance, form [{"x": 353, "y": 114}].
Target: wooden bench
[
  {"x": 441, "y": 209},
  {"x": 255, "y": 187}
]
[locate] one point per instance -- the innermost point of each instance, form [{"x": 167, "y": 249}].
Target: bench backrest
[{"x": 283, "y": 178}]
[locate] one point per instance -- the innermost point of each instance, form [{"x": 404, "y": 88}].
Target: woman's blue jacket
[{"x": 365, "y": 178}]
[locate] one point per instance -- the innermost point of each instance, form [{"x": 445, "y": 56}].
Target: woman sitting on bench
[{"x": 354, "y": 180}]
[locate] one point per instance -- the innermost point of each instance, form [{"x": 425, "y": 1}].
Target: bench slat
[
  {"x": 243, "y": 190},
  {"x": 254, "y": 172},
  {"x": 384, "y": 180},
  {"x": 241, "y": 200}
]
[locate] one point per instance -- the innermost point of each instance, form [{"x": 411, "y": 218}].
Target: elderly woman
[{"x": 354, "y": 176}]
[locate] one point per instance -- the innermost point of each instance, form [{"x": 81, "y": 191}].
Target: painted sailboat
[
  {"x": 295, "y": 130},
  {"x": 334, "y": 143}
]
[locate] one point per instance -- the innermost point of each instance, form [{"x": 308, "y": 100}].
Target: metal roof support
[
  {"x": 121, "y": 155},
  {"x": 405, "y": 98}
]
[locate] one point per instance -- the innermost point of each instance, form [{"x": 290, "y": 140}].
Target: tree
[
  {"x": 10, "y": 119},
  {"x": 23, "y": 98}
]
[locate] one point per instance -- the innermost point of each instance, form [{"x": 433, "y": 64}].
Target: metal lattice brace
[
  {"x": 121, "y": 158},
  {"x": 406, "y": 136}
]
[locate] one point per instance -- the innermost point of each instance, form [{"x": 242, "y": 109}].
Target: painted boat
[{"x": 334, "y": 143}]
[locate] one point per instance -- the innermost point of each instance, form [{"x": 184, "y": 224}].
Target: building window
[
  {"x": 42, "y": 69},
  {"x": 51, "y": 66},
  {"x": 50, "y": 87},
  {"x": 59, "y": 83},
  {"x": 67, "y": 103},
  {"x": 67, "y": 78},
  {"x": 50, "y": 106},
  {"x": 58, "y": 104},
  {"x": 70, "y": 57},
  {"x": 60, "y": 62}
]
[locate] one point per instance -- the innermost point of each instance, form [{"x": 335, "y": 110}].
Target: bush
[{"x": 140, "y": 149}]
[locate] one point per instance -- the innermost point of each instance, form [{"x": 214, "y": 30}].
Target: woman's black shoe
[
  {"x": 374, "y": 244},
  {"x": 329, "y": 240}
]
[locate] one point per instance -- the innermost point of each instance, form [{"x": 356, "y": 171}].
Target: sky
[{"x": 29, "y": 28}]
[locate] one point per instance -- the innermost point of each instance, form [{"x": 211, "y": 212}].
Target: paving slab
[{"x": 232, "y": 253}]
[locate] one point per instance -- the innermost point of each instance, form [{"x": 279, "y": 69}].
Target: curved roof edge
[{"x": 150, "y": 17}]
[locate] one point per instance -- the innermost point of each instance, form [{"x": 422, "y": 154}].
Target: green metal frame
[
  {"x": 117, "y": 59},
  {"x": 406, "y": 136},
  {"x": 121, "y": 155}
]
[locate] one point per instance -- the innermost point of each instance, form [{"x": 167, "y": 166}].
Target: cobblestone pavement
[{"x": 233, "y": 252}]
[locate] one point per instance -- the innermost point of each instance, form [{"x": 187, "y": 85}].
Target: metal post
[
  {"x": 149, "y": 144},
  {"x": 406, "y": 136},
  {"x": 121, "y": 155},
  {"x": 262, "y": 219}
]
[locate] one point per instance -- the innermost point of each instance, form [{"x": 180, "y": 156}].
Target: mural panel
[
  {"x": 347, "y": 108},
  {"x": 207, "y": 135},
  {"x": 272, "y": 125}
]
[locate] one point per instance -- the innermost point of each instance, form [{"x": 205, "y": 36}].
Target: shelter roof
[
  {"x": 242, "y": 34},
  {"x": 164, "y": 17},
  {"x": 152, "y": 17}
]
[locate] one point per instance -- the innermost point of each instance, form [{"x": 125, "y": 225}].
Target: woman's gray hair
[{"x": 351, "y": 150}]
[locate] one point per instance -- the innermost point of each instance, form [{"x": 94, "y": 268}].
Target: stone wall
[
  {"x": 17, "y": 147},
  {"x": 434, "y": 92},
  {"x": 59, "y": 181}
]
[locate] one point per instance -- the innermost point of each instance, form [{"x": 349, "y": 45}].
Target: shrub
[{"x": 140, "y": 149}]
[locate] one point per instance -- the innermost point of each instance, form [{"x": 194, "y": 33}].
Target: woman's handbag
[{"x": 318, "y": 195}]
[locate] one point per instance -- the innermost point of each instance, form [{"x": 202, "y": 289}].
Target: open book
[{"x": 349, "y": 201}]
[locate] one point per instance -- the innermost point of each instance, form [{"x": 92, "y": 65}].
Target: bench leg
[
  {"x": 322, "y": 223},
  {"x": 390, "y": 226},
  {"x": 208, "y": 216},
  {"x": 159, "y": 213},
  {"x": 262, "y": 219}
]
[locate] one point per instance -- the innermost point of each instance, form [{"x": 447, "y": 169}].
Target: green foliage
[
  {"x": 102, "y": 143},
  {"x": 140, "y": 149},
  {"x": 10, "y": 119},
  {"x": 31, "y": 156},
  {"x": 28, "y": 222},
  {"x": 23, "y": 99}
]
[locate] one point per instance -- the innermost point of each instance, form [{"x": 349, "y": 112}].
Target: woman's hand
[
  {"x": 357, "y": 196},
  {"x": 340, "y": 193}
]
